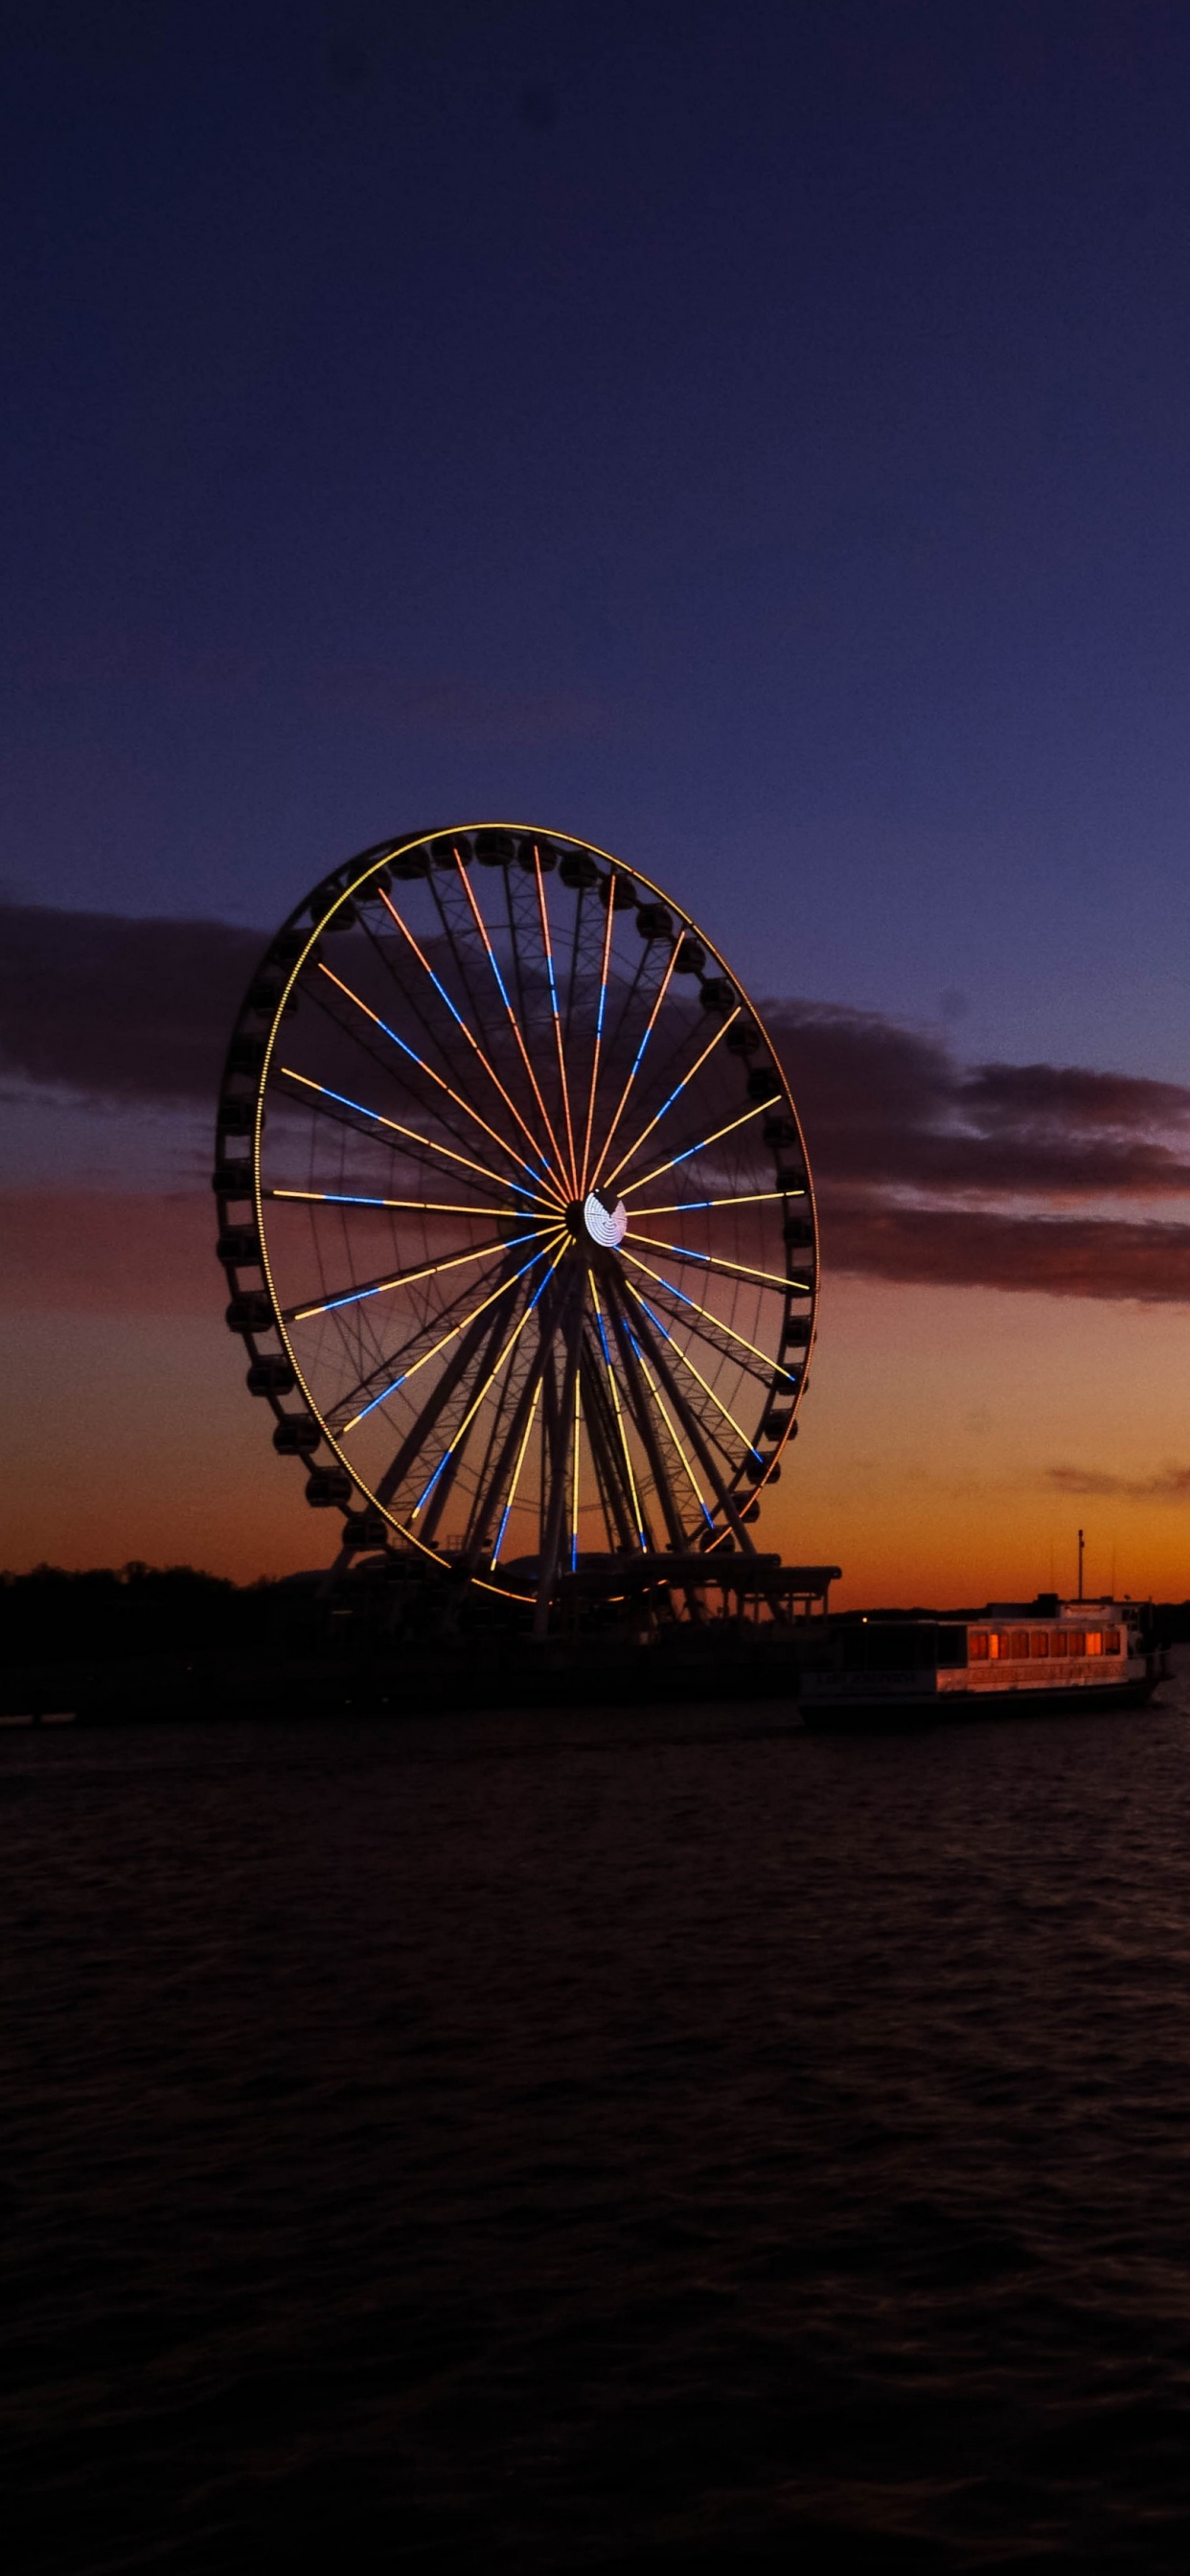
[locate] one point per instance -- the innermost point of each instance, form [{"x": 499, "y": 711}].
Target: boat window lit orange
[
  {"x": 1040, "y": 1641},
  {"x": 1094, "y": 1641},
  {"x": 977, "y": 1646}
]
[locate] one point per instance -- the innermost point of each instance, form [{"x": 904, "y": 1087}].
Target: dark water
[{"x": 542, "y": 2144}]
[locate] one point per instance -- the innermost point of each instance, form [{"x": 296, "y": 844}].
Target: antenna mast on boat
[{"x": 1080, "y": 1565}]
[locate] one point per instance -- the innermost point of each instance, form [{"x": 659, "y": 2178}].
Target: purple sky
[{"x": 754, "y": 437}]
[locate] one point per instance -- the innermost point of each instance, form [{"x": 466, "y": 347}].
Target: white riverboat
[{"x": 1011, "y": 1657}]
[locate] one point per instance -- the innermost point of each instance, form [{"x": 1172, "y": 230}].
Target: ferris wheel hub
[{"x": 601, "y": 1217}]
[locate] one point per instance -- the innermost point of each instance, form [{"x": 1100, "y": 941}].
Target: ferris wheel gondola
[{"x": 515, "y": 1211}]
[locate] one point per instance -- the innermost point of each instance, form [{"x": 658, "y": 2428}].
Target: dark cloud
[
  {"x": 1169, "y": 1485},
  {"x": 894, "y": 1108},
  {"x": 1076, "y": 1256},
  {"x": 929, "y": 1171},
  {"x": 121, "y": 1009}
]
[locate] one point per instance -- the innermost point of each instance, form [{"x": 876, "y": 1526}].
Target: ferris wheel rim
[{"x": 310, "y": 920}]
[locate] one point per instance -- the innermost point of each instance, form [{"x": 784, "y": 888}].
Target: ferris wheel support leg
[
  {"x": 697, "y": 1436},
  {"x": 609, "y": 1465},
  {"x": 444, "y": 1485},
  {"x": 547, "y": 1572},
  {"x": 641, "y": 1411},
  {"x": 490, "y": 1501},
  {"x": 456, "y": 1368}
]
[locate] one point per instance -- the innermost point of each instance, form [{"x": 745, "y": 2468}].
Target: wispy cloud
[
  {"x": 1169, "y": 1485},
  {"x": 461, "y": 710}
]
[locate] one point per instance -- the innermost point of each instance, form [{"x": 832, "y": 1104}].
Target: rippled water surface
[{"x": 534, "y": 2143}]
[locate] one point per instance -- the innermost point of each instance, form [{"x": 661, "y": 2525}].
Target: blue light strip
[
  {"x": 449, "y": 1453},
  {"x": 399, "y": 1381},
  {"x": 357, "y": 1295},
  {"x": 707, "y": 1516},
  {"x": 656, "y": 1319}
]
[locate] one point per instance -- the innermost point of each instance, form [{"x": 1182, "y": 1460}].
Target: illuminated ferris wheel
[{"x": 516, "y": 1213}]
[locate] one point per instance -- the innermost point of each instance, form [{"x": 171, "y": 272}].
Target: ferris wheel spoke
[
  {"x": 600, "y": 1007},
  {"x": 556, "y": 1177},
  {"x": 750, "y": 1449},
  {"x": 754, "y": 1110},
  {"x": 394, "y": 1126},
  {"x": 436, "y": 1349},
  {"x": 443, "y": 1486},
  {"x": 628, "y": 997},
  {"x": 575, "y": 945},
  {"x": 452, "y": 942},
  {"x": 558, "y": 1445},
  {"x": 513, "y": 1022},
  {"x": 484, "y": 1391},
  {"x": 506, "y": 1449},
  {"x": 638, "y": 1518},
  {"x": 548, "y": 951},
  {"x": 674, "y": 1433},
  {"x": 535, "y": 1383},
  {"x": 463, "y": 1360},
  {"x": 675, "y": 1094},
  {"x": 709, "y": 1325},
  {"x": 542, "y": 1171},
  {"x": 718, "y": 1261},
  {"x": 412, "y": 1207},
  {"x": 406, "y": 1278},
  {"x": 606, "y": 1461},
  {"x": 734, "y": 1198},
  {"x": 639, "y": 1408},
  {"x": 576, "y": 1464},
  {"x": 328, "y": 1001},
  {"x": 700, "y": 1437},
  {"x": 638, "y": 1059}
]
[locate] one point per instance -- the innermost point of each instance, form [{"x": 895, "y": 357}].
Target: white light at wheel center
[{"x": 605, "y": 1225}]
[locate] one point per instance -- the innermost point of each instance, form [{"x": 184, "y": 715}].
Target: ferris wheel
[{"x": 515, "y": 1212}]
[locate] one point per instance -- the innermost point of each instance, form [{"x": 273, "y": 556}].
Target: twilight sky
[{"x": 753, "y": 437}]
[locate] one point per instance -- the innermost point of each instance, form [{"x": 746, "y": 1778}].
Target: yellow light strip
[
  {"x": 547, "y": 944},
  {"x": 420, "y": 1207},
  {"x": 663, "y": 1409},
  {"x": 714, "y": 1261},
  {"x": 707, "y": 1389},
  {"x": 514, "y": 1023},
  {"x": 461, "y": 1023},
  {"x": 700, "y": 1148},
  {"x": 490, "y": 1300},
  {"x": 716, "y": 1320},
  {"x": 451, "y": 1094},
  {"x": 499, "y": 1180},
  {"x": 735, "y": 1198},
  {"x": 574, "y": 1472},
  {"x": 399, "y": 1279},
  {"x": 687, "y": 1078},
  {"x": 516, "y": 1473},
  {"x": 602, "y": 1005},
  {"x": 489, "y": 1382},
  {"x": 611, "y": 1379},
  {"x": 665, "y": 984}
]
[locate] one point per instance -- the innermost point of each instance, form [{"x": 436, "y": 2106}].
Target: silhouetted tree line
[{"x": 140, "y": 1609}]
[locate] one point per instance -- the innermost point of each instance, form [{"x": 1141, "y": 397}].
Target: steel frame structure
[{"x": 515, "y": 1212}]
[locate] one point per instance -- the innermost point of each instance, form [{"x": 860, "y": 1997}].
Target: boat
[{"x": 1012, "y": 1658}]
